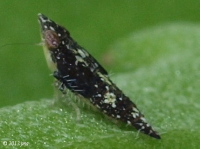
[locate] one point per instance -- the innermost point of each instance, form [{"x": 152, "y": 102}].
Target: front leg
[
  {"x": 59, "y": 83},
  {"x": 61, "y": 86}
]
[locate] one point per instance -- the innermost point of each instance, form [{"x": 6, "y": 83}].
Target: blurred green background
[
  {"x": 96, "y": 25},
  {"x": 150, "y": 48}
]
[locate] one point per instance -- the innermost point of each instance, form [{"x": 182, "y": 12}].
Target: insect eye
[{"x": 51, "y": 39}]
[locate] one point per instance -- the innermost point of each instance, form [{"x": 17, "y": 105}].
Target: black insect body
[{"x": 79, "y": 72}]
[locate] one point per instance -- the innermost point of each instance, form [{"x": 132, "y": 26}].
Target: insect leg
[{"x": 60, "y": 85}]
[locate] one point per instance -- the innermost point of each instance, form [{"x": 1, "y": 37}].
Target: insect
[{"x": 80, "y": 72}]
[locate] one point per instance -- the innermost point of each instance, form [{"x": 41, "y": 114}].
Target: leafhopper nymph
[{"x": 79, "y": 72}]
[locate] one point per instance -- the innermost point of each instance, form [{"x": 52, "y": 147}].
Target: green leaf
[{"x": 159, "y": 70}]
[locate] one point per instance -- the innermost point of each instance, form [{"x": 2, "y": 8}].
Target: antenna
[{"x": 29, "y": 44}]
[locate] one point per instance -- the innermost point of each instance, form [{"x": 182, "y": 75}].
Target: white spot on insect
[
  {"x": 79, "y": 59},
  {"x": 134, "y": 114},
  {"x": 82, "y": 54},
  {"x": 67, "y": 77},
  {"x": 118, "y": 116},
  {"x": 96, "y": 64},
  {"x": 148, "y": 125},
  {"x": 101, "y": 102},
  {"x": 120, "y": 98},
  {"x": 98, "y": 106},
  {"x": 59, "y": 34},
  {"x": 98, "y": 95},
  {"x": 51, "y": 28},
  {"x": 104, "y": 78},
  {"x": 42, "y": 19},
  {"x": 67, "y": 46},
  {"x": 45, "y": 27},
  {"x": 114, "y": 105},
  {"x": 110, "y": 98},
  {"x": 135, "y": 110},
  {"x": 92, "y": 69},
  {"x": 140, "y": 124},
  {"x": 64, "y": 61},
  {"x": 96, "y": 85},
  {"x": 63, "y": 42},
  {"x": 143, "y": 119},
  {"x": 74, "y": 51},
  {"x": 128, "y": 122},
  {"x": 107, "y": 88},
  {"x": 58, "y": 57},
  {"x": 150, "y": 131},
  {"x": 104, "y": 111}
]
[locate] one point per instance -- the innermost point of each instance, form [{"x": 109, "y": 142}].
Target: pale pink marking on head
[{"x": 51, "y": 39}]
